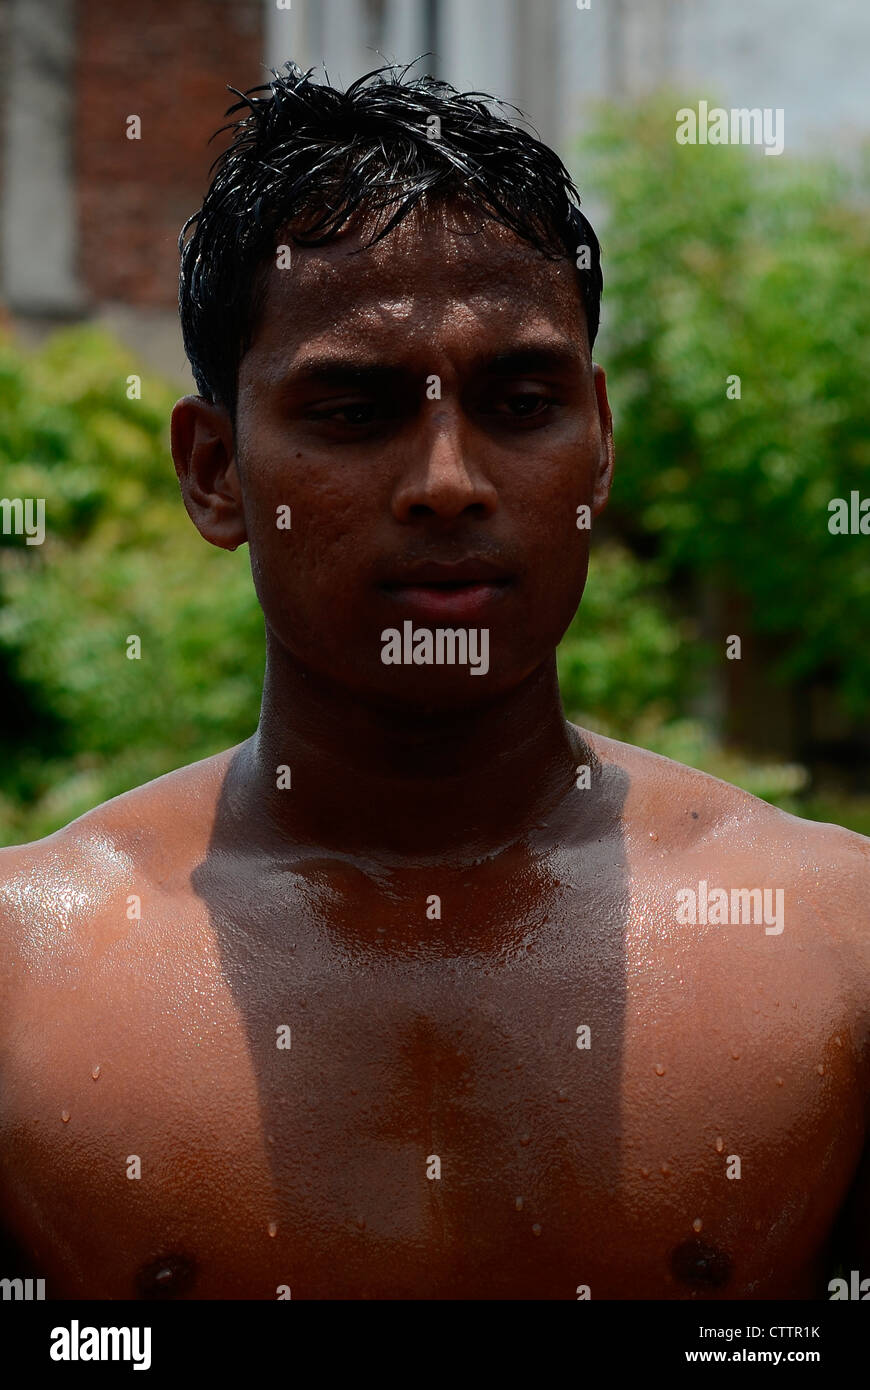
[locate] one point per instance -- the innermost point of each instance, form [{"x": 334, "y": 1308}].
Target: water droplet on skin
[
  {"x": 518, "y": 1203},
  {"x": 821, "y": 1068},
  {"x": 536, "y": 1229},
  {"x": 563, "y": 1095},
  {"x": 665, "y": 1169},
  {"x": 697, "y": 1224},
  {"x": 96, "y": 1072},
  {"x": 163, "y": 1277},
  {"x": 719, "y": 1144},
  {"x": 779, "y": 1081},
  {"x": 653, "y": 835},
  {"x": 644, "y": 1172},
  {"x": 524, "y": 1139},
  {"x": 838, "y": 1040},
  {"x": 64, "y": 1115},
  {"x": 735, "y": 1055},
  {"x": 361, "y": 1222},
  {"x": 660, "y": 1071},
  {"x": 273, "y": 1228}
]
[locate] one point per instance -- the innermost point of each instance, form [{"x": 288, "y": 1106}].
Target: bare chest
[{"x": 571, "y": 1107}]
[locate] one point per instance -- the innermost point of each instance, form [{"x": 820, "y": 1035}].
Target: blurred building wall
[{"x": 89, "y": 219}]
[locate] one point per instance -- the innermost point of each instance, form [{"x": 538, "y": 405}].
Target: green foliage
[
  {"x": 721, "y": 261},
  {"x": 627, "y": 654},
  {"x": 120, "y": 557}
]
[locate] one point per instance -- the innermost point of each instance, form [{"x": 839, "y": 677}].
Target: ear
[
  {"x": 203, "y": 451},
  {"x": 604, "y": 475}
]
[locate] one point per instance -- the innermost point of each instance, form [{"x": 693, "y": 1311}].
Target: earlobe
[
  {"x": 203, "y": 451},
  {"x": 604, "y": 478}
]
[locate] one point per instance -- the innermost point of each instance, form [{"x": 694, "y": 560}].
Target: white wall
[
  {"x": 37, "y": 209},
  {"x": 811, "y": 58}
]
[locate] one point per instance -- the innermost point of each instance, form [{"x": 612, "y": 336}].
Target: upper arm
[
  {"x": 16, "y": 874},
  {"x": 852, "y": 1234},
  {"x": 841, "y": 898}
]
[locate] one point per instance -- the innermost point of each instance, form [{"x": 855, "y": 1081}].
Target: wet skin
[{"x": 311, "y": 907}]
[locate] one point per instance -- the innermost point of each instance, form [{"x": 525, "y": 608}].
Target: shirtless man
[{"x": 387, "y": 1002}]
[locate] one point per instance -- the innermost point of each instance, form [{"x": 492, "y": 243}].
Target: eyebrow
[
  {"x": 534, "y": 357},
  {"x": 363, "y": 371},
  {"x": 335, "y": 371}
]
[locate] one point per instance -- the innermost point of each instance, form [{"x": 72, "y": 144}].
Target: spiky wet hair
[{"x": 315, "y": 157}]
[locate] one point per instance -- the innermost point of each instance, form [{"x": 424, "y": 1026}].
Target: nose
[{"x": 441, "y": 479}]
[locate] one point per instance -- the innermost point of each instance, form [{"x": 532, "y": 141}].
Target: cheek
[
  {"x": 556, "y": 547},
  {"x": 547, "y": 497},
  {"x": 305, "y": 531},
  {"x": 558, "y": 565}
]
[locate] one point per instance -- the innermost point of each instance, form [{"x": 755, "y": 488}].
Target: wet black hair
[{"x": 308, "y": 151}]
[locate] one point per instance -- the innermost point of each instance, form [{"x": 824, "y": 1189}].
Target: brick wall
[{"x": 168, "y": 62}]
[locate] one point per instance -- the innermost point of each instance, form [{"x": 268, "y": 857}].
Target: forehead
[{"x": 437, "y": 272}]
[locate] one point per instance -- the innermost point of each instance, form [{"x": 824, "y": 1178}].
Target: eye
[
  {"x": 355, "y": 413},
  {"x": 526, "y": 405}
]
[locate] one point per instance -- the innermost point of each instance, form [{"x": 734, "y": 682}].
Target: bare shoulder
[
  {"x": 53, "y": 891},
  {"x": 704, "y": 823},
  {"x": 661, "y": 785}
]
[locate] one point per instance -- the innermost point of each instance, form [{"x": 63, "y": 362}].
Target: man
[{"x": 423, "y": 992}]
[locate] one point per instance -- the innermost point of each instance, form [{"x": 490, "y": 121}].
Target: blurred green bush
[
  {"x": 81, "y": 721},
  {"x": 721, "y": 262}
]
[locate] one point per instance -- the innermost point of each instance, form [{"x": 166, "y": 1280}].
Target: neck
[{"x": 404, "y": 784}]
